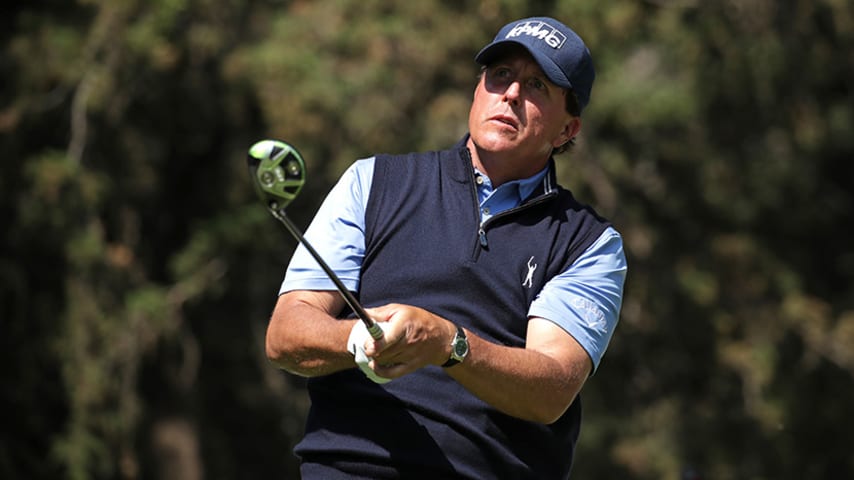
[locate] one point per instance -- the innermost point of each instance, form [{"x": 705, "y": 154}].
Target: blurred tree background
[{"x": 137, "y": 270}]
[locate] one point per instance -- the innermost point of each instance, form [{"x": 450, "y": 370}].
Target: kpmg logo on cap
[{"x": 541, "y": 30}]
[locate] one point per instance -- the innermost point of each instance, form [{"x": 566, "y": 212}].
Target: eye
[
  {"x": 537, "y": 84},
  {"x": 499, "y": 76},
  {"x": 501, "y": 72}
]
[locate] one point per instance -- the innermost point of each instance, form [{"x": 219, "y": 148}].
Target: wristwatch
[{"x": 459, "y": 348}]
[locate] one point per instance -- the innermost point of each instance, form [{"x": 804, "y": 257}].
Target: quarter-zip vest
[{"x": 425, "y": 246}]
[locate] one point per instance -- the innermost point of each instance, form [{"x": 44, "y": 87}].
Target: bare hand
[{"x": 413, "y": 338}]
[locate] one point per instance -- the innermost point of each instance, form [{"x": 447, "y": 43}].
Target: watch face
[{"x": 460, "y": 348}]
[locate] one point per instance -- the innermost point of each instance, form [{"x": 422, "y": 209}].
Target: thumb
[
  {"x": 379, "y": 314},
  {"x": 390, "y": 336}
]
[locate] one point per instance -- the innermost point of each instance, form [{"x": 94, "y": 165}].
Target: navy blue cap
[{"x": 558, "y": 50}]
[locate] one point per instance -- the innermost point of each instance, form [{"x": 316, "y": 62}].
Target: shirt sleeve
[
  {"x": 337, "y": 232},
  {"x": 585, "y": 299}
]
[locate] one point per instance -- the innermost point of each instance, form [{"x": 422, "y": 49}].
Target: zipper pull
[{"x": 482, "y": 234}]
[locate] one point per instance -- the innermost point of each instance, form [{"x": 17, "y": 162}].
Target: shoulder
[
  {"x": 452, "y": 152},
  {"x": 423, "y": 165},
  {"x": 577, "y": 212}
]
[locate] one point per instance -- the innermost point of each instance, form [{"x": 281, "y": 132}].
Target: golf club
[{"x": 278, "y": 173}]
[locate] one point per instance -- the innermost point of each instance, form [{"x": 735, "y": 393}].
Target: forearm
[
  {"x": 520, "y": 382},
  {"x": 537, "y": 382},
  {"x": 304, "y": 338}
]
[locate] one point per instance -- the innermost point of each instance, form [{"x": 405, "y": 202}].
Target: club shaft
[{"x": 374, "y": 329}]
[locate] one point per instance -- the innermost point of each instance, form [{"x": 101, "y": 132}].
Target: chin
[{"x": 494, "y": 142}]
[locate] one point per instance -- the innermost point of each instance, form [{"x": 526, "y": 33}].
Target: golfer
[{"x": 497, "y": 291}]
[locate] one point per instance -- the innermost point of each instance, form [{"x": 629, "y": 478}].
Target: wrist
[{"x": 459, "y": 347}]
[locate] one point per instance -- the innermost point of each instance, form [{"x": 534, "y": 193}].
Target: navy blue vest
[{"x": 425, "y": 246}]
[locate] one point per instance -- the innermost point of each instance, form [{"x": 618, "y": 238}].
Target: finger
[
  {"x": 373, "y": 347},
  {"x": 379, "y": 314},
  {"x": 387, "y": 345},
  {"x": 388, "y": 356},
  {"x": 390, "y": 370}
]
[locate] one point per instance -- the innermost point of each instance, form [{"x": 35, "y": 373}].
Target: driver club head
[{"x": 278, "y": 172}]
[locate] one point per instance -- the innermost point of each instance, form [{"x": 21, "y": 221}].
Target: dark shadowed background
[{"x": 137, "y": 270}]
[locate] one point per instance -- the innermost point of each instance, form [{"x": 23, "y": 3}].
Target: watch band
[{"x": 459, "y": 348}]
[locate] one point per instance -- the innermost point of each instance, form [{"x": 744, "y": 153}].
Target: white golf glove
[{"x": 356, "y": 345}]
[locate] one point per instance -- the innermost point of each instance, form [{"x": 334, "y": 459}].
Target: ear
[{"x": 570, "y": 130}]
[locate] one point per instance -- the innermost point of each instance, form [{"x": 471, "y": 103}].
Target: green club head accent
[{"x": 278, "y": 172}]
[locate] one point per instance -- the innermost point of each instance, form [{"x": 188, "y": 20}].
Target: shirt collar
[{"x": 523, "y": 187}]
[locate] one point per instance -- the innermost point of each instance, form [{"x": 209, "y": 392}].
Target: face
[{"x": 517, "y": 110}]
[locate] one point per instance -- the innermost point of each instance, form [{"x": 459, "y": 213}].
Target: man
[{"x": 496, "y": 290}]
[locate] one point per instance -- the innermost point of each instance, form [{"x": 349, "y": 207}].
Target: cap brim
[{"x": 494, "y": 50}]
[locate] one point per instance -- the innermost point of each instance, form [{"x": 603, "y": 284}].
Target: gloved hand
[{"x": 356, "y": 345}]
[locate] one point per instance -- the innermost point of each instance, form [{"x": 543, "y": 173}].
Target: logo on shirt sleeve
[{"x": 591, "y": 313}]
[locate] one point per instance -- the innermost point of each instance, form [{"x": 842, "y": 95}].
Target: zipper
[
  {"x": 481, "y": 232},
  {"x": 482, "y": 226}
]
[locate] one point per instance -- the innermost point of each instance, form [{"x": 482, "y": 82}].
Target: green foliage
[{"x": 137, "y": 270}]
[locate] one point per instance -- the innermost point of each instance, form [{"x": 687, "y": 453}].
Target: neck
[{"x": 503, "y": 167}]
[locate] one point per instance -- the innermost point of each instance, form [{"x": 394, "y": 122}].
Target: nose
[{"x": 513, "y": 91}]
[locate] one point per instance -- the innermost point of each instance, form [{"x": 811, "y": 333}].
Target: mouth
[{"x": 505, "y": 120}]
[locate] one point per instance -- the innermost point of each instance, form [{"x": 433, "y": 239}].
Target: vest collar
[{"x": 548, "y": 187}]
